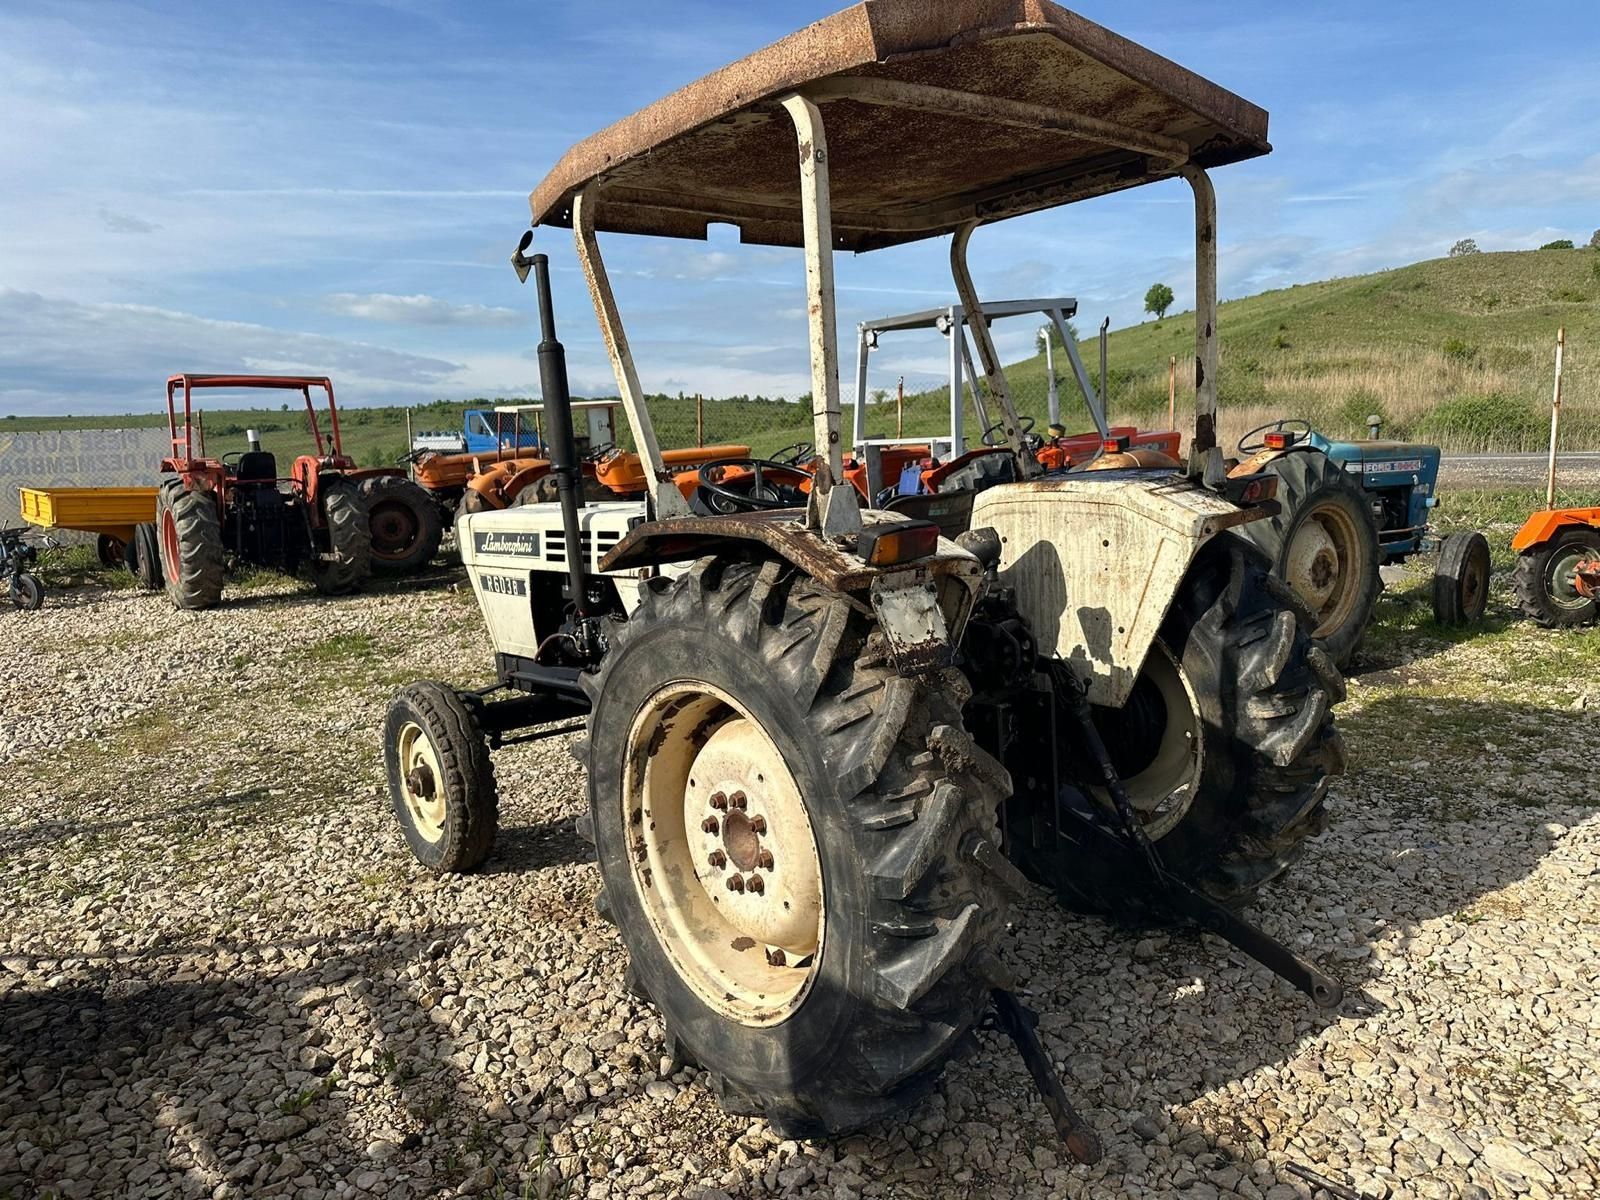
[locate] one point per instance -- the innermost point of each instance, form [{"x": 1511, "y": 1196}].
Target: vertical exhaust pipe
[{"x": 562, "y": 446}]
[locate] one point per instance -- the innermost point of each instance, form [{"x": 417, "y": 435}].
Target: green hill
[{"x": 1454, "y": 350}]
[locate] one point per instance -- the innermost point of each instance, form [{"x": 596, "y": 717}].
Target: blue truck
[
  {"x": 477, "y": 436},
  {"x": 1348, "y": 508}
]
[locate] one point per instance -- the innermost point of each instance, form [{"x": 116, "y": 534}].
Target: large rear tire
[
  {"x": 1225, "y": 746},
  {"x": 1324, "y": 544},
  {"x": 191, "y": 554},
  {"x": 144, "y": 556},
  {"x": 1545, "y": 579},
  {"x": 405, "y": 523},
  {"x": 349, "y": 564},
  {"x": 790, "y": 837}
]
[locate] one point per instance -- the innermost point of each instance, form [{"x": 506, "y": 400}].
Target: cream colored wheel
[
  {"x": 1324, "y": 565},
  {"x": 422, "y": 781},
  {"x": 1157, "y": 744},
  {"x": 723, "y": 855}
]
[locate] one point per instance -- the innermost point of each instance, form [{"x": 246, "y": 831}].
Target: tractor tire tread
[
  {"x": 198, "y": 527},
  {"x": 468, "y": 770},
  {"x": 349, "y": 541}
]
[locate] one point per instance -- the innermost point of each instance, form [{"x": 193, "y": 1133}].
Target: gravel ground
[{"x": 222, "y": 974}]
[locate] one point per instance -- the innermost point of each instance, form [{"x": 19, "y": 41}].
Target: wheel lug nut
[
  {"x": 764, "y": 860},
  {"x": 718, "y": 859},
  {"x": 718, "y": 801},
  {"x": 736, "y": 882},
  {"x": 757, "y": 885},
  {"x": 709, "y": 825},
  {"x": 738, "y": 800},
  {"x": 759, "y": 824},
  {"x": 776, "y": 958}
]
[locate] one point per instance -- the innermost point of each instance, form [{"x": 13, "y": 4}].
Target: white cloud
[{"x": 419, "y": 310}]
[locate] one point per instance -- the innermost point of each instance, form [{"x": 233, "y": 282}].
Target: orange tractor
[{"x": 1557, "y": 579}]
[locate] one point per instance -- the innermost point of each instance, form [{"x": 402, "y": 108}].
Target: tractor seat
[
  {"x": 950, "y": 511},
  {"x": 257, "y": 466}
]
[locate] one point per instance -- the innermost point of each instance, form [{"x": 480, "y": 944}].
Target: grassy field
[{"x": 1457, "y": 351}]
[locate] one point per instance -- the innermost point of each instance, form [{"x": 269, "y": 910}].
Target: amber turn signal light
[
  {"x": 1114, "y": 445},
  {"x": 1279, "y": 440},
  {"x": 886, "y": 545}
]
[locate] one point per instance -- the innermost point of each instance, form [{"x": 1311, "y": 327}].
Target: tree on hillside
[
  {"x": 1558, "y": 244},
  {"x": 1158, "y": 299},
  {"x": 1594, "y": 240},
  {"x": 1464, "y": 246}
]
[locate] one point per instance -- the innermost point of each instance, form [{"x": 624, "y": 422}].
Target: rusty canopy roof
[{"x": 935, "y": 112}]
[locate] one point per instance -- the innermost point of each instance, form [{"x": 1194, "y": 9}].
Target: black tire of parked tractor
[
  {"x": 466, "y": 787},
  {"x": 27, "y": 593},
  {"x": 1461, "y": 579},
  {"x": 112, "y": 551},
  {"x": 1265, "y": 693},
  {"x": 902, "y": 806},
  {"x": 191, "y": 555},
  {"x": 344, "y": 514},
  {"x": 1311, "y": 486},
  {"x": 405, "y": 523},
  {"x": 144, "y": 556},
  {"x": 1536, "y": 586}
]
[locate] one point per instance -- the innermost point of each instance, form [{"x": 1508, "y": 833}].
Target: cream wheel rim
[
  {"x": 722, "y": 852},
  {"x": 421, "y": 781},
  {"x": 1162, "y": 791},
  {"x": 1323, "y": 566}
]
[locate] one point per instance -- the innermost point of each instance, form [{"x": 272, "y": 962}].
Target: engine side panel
[
  {"x": 517, "y": 557},
  {"x": 1096, "y": 561}
]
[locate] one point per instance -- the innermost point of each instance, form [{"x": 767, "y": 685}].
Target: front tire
[
  {"x": 27, "y": 593},
  {"x": 1324, "y": 544},
  {"x": 145, "y": 556},
  {"x": 1546, "y": 579},
  {"x": 191, "y": 545},
  {"x": 1231, "y": 800},
  {"x": 827, "y": 987},
  {"x": 441, "y": 778},
  {"x": 1461, "y": 579},
  {"x": 349, "y": 563}
]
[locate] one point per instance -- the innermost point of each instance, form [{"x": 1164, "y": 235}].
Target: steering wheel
[
  {"x": 993, "y": 435},
  {"x": 794, "y": 454},
  {"x": 1286, "y": 424},
  {"x": 230, "y": 461},
  {"x": 759, "y": 492}
]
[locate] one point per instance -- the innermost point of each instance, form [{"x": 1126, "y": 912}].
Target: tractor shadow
[
  {"x": 175, "y": 1033},
  {"x": 51, "y": 832},
  {"x": 522, "y": 848}
]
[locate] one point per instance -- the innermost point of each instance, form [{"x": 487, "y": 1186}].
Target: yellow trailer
[{"x": 111, "y": 512}]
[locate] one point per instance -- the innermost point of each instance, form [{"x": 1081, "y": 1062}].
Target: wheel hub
[
  {"x": 420, "y": 774},
  {"x": 1313, "y": 568}
]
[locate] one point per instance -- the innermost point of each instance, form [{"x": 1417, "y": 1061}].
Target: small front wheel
[
  {"x": 441, "y": 778},
  {"x": 1461, "y": 579},
  {"x": 27, "y": 593}
]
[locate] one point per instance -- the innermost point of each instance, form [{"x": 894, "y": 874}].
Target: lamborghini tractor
[{"x": 825, "y": 742}]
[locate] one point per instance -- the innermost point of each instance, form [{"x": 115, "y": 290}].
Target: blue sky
[{"x": 336, "y": 186}]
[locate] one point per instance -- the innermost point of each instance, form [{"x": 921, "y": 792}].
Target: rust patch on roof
[{"x": 722, "y": 150}]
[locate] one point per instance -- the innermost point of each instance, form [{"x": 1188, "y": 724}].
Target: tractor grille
[{"x": 596, "y": 544}]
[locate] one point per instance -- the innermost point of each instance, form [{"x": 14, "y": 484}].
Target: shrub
[
  {"x": 1280, "y": 341},
  {"x": 1464, "y": 246},
  {"x": 1481, "y": 419},
  {"x": 1355, "y": 408},
  {"x": 1569, "y": 295},
  {"x": 1458, "y": 350},
  {"x": 1558, "y": 244}
]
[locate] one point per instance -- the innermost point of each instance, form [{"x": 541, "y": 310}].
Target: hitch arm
[{"x": 1082, "y": 1142}]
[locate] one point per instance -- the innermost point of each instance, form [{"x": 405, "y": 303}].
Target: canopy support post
[
  {"x": 1204, "y": 441},
  {"x": 833, "y": 510},
  {"x": 666, "y": 499},
  {"x": 993, "y": 373}
]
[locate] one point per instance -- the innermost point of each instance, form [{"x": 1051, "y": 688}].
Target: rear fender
[
  {"x": 919, "y": 636},
  {"x": 1542, "y": 526},
  {"x": 1097, "y": 559}
]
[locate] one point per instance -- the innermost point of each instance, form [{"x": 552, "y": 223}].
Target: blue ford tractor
[{"x": 1348, "y": 508}]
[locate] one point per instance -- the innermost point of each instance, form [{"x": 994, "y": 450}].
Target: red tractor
[{"x": 338, "y": 522}]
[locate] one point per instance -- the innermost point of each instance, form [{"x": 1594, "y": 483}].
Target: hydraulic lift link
[
  {"x": 1132, "y": 843},
  {"x": 1082, "y": 1142}
]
